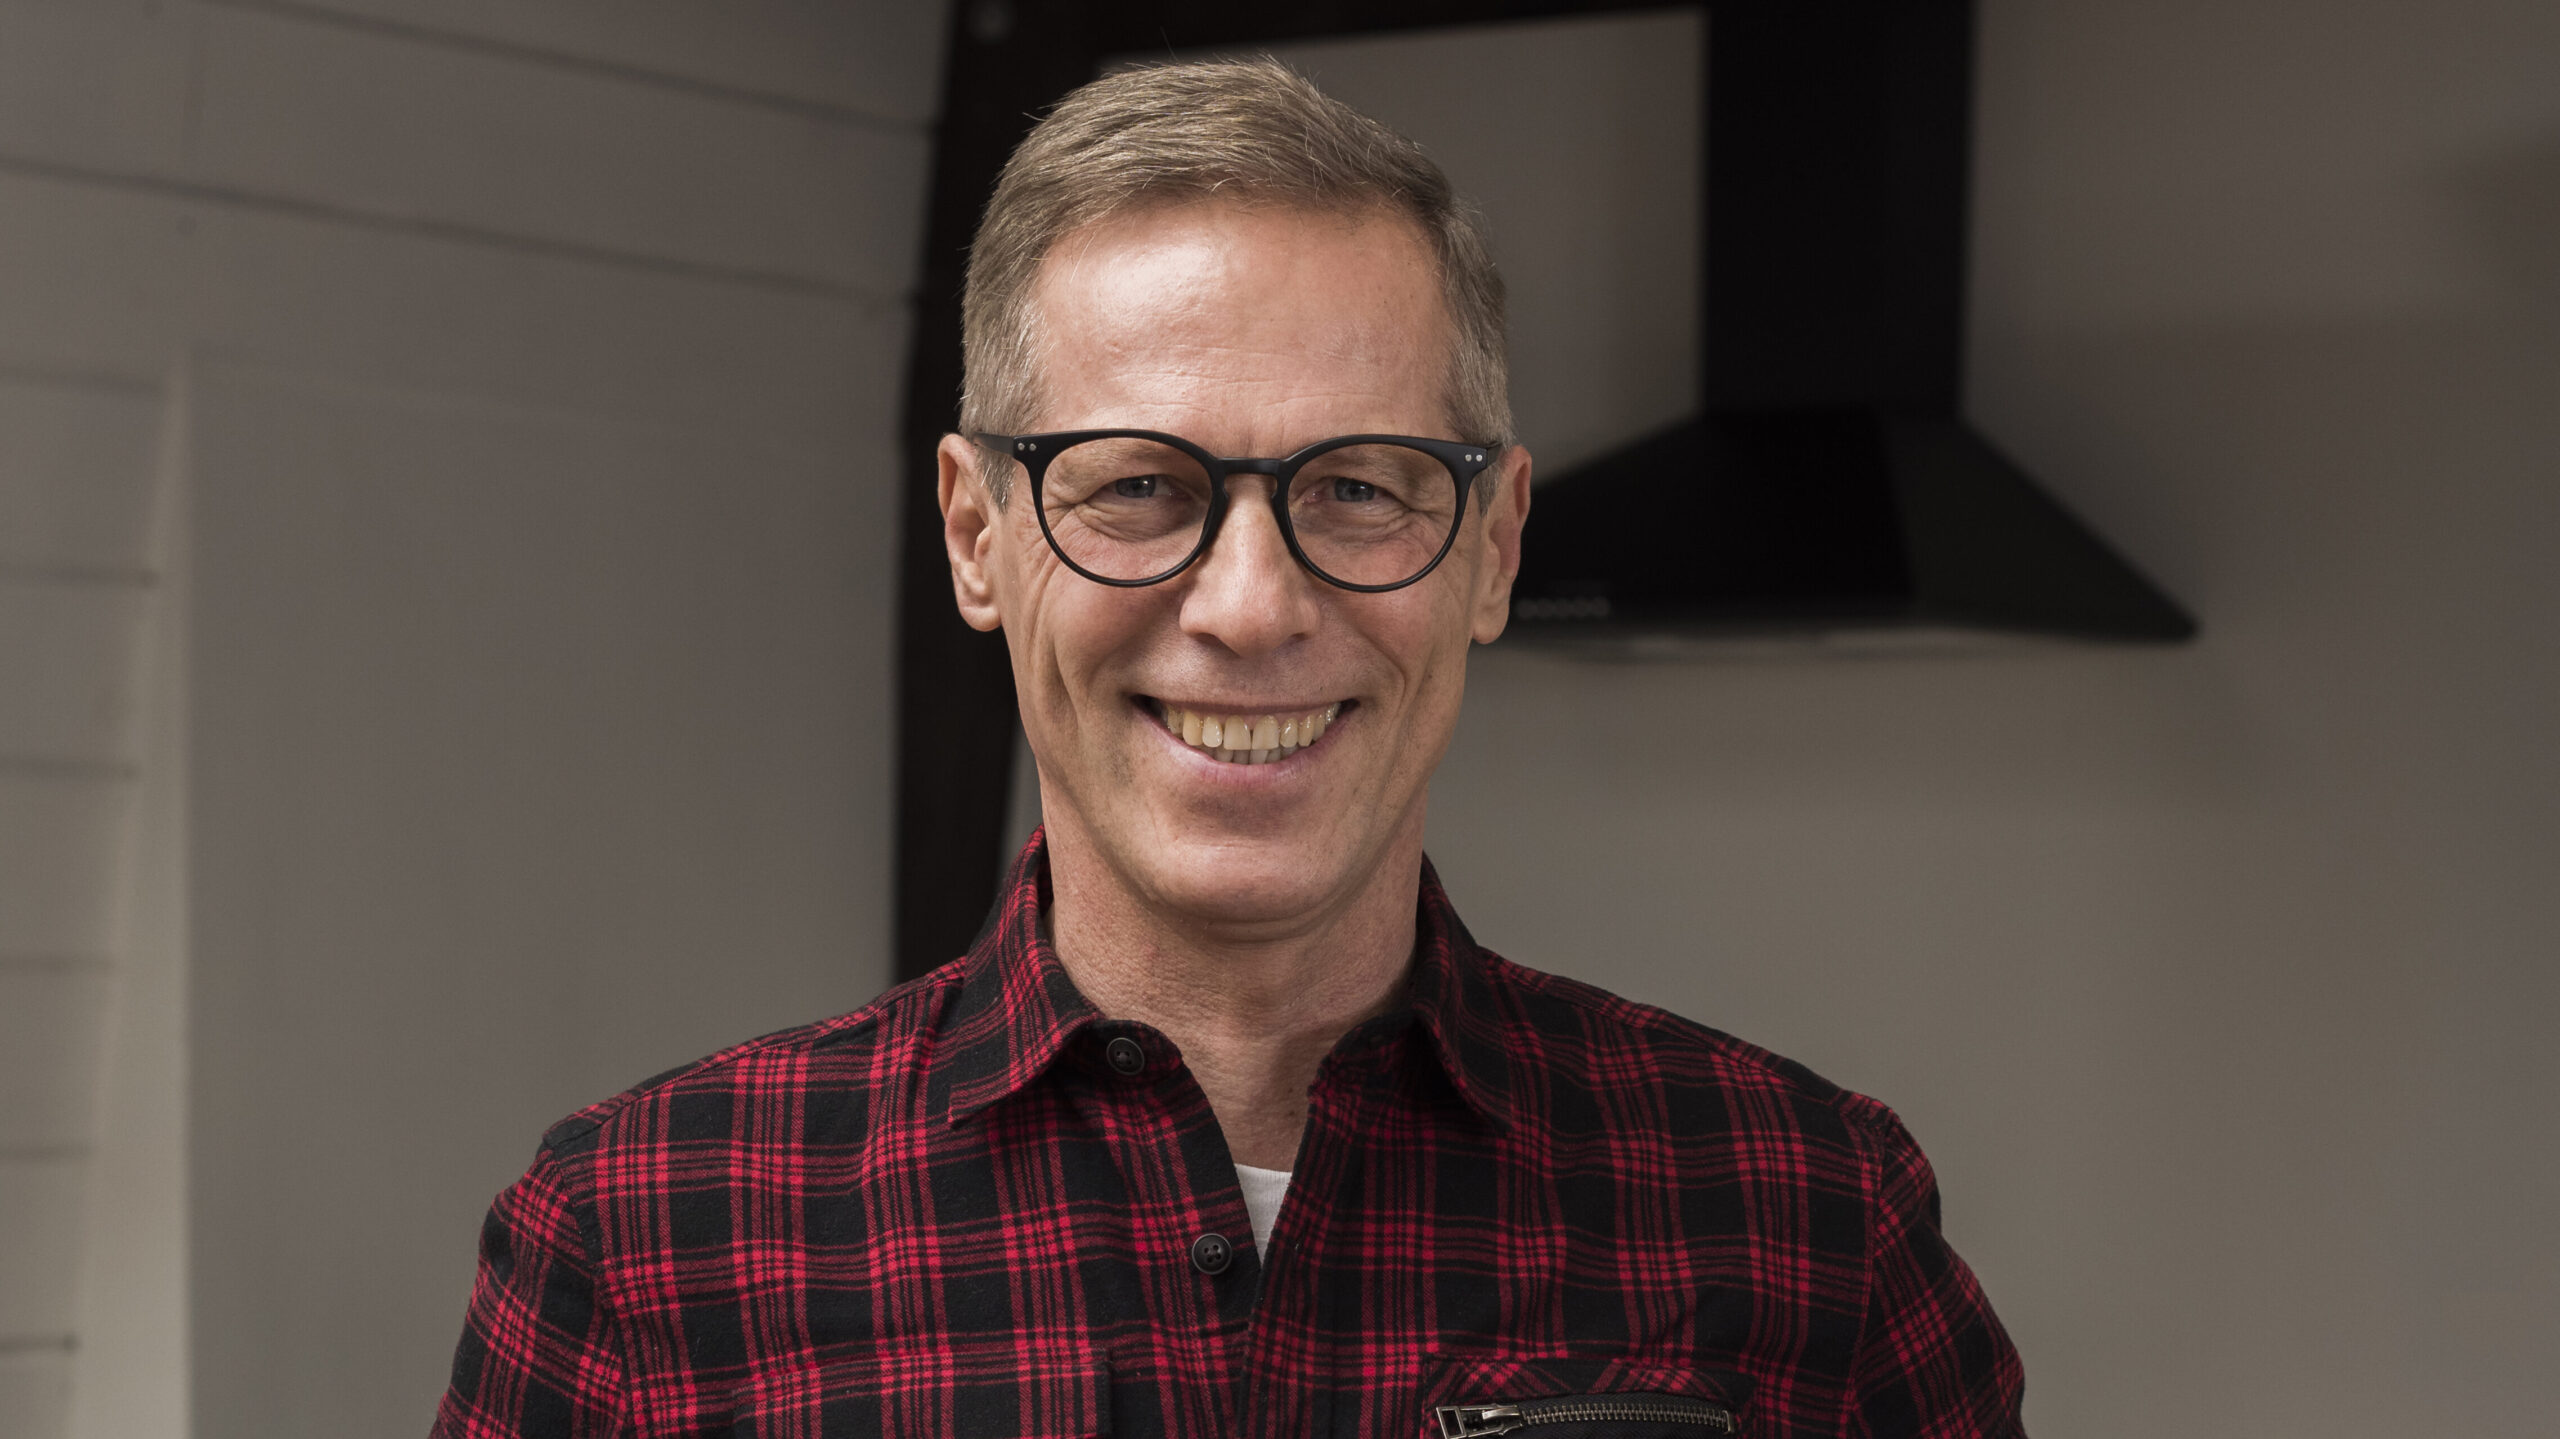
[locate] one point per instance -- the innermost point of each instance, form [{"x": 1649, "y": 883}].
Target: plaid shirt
[{"x": 970, "y": 1209}]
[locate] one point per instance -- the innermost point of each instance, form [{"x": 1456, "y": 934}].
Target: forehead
[{"x": 1267, "y": 324}]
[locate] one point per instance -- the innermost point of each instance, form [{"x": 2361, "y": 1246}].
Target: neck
[{"x": 1255, "y": 1009}]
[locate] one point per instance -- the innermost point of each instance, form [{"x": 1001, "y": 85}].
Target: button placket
[{"x": 1142, "y": 1083}]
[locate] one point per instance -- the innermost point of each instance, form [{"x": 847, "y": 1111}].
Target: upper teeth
[{"x": 1249, "y": 739}]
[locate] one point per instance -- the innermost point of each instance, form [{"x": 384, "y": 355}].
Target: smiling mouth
[{"x": 1247, "y": 738}]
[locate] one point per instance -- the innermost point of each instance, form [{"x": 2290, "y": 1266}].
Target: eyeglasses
[{"x": 1137, "y": 507}]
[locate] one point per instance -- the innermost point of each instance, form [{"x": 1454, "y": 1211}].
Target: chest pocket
[
  {"x": 993, "y": 1390},
  {"x": 1478, "y": 1398}
]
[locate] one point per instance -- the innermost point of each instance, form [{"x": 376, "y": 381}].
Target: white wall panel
[
  {"x": 69, "y": 653},
  {"x": 60, "y": 840},
  {"x": 97, "y": 278},
  {"x": 49, "y": 1027},
  {"x": 463, "y": 319},
  {"x": 39, "y": 1246},
  {"x": 878, "y": 57},
  {"x": 133, "y": 1374},
  {"x": 545, "y": 751},
  {"x": 75, "y": 475},
  {"x": 35, "y": 1391},
  {"x": 522, "y": 148},
  {"x": 547, "y": 673},
  {"x": 100, "y": 85}
]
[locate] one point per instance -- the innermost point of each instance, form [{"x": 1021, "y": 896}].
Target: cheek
[
  {"x": 1433, "y": 638},
  {"x": 1072, "y": 638}
]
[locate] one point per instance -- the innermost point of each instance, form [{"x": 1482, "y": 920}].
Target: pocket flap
[{"x": 1046, "y": 1394}]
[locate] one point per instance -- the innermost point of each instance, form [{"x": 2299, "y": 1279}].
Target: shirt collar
[{"x": 1017, "y": 1010}]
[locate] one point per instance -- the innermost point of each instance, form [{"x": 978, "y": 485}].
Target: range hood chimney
[{"x": 1828, "y": 484}]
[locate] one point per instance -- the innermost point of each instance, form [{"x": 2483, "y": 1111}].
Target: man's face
[{"x": 1251, "y": 332}]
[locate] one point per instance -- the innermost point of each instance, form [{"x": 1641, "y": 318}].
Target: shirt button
[
  {"x": 1211, "y": 1253},
  {"x": 1124, "y": 1055}
]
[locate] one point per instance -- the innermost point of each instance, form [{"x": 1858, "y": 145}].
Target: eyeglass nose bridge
[
  {"x": 1220, "y": 496},
  {"x": 1278, "y": 470}
]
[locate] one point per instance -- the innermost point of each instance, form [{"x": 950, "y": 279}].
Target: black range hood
[
  {"x": 1828, "y": 485},
  {"x": 1831, "y": 523}
]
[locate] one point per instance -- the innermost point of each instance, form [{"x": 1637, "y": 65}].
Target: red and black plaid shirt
[{"x": 950, "y": 1213}]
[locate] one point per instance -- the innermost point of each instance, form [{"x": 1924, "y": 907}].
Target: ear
[
  {"x": 969, "y": 531},
  {"x": 1500, "y": 564}
]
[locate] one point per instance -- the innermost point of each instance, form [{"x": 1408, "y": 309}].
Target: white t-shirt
[{"x": 1262, "y": 1191}]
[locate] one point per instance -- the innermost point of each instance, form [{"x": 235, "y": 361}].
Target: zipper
[{"x": 1472, "y": 1421}]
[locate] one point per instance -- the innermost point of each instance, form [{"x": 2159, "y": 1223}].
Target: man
[{"x": 1225, "y": 1126}]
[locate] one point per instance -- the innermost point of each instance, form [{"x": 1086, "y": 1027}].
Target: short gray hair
[{"x": 1251, "y": 130}]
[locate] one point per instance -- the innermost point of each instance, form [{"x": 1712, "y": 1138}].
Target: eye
[
  {"x": 1354, "y": 491},
  {"x": 1136, "y": 487}
]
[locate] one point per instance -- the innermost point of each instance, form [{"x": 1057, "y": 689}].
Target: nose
[{"x": 1249, "y": 593}]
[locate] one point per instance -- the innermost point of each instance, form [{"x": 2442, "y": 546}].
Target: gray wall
[
  {"x": 2218, "y": 981},
  {"x": 447, "y": 500}
]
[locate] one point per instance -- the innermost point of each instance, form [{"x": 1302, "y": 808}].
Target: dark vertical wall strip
[
  {"x": 955, "y": 688},
  {"x": 1836, "y": 153}
]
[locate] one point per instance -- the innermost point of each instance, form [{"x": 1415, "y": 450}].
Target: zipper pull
[{"x": 1468, "y": 1421}]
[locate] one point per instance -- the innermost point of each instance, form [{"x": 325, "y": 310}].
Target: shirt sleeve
[
  {"x": 1933, "y": 1361},
  {"x": 540, "y": 1357}
]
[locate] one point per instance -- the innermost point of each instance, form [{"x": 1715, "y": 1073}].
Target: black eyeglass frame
[{"x": 1463, "y": 460}]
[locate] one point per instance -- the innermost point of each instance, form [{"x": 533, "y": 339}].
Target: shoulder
[
  {"x": 849, "y": 1056},
  {"x": 1582, "y": 1034}
]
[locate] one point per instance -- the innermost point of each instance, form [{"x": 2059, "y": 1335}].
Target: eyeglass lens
[{"x": 1127, "y": 508}]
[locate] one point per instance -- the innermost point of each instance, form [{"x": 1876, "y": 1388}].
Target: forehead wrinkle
[
  {"x": 1347, "y": 371},
  {"x": 1206, "y": 320},
  {"x": 1147, "y": 365}
]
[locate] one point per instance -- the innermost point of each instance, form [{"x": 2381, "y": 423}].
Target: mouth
[{"x": 1246, "y": 737}]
